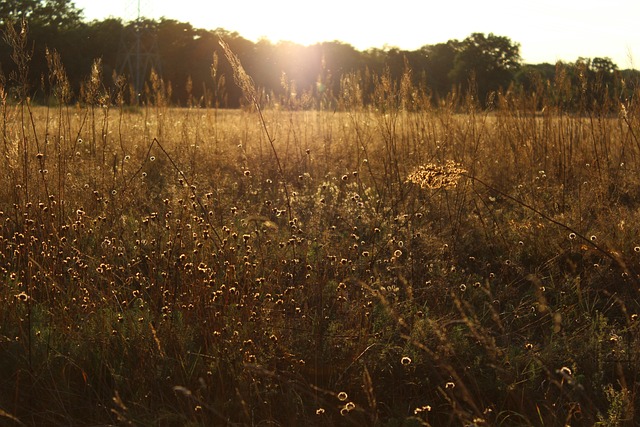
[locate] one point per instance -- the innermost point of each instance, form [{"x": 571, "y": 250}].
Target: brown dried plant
[{"x": 435, "y": 177}]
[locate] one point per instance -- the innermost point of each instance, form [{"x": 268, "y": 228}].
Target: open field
[{"x": 392, "y": 264}]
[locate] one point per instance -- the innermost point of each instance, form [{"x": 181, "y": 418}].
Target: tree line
[{"x": 191, "y": 67}]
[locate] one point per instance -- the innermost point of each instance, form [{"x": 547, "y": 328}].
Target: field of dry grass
[{"x": 386, "y": 264}]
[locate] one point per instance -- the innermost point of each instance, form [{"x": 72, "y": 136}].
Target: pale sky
[{"x": 547, "y": 30}]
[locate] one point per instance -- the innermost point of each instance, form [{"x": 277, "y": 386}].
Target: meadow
[{"x": 391, "y": 263}]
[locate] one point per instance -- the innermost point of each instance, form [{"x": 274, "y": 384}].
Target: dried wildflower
[
  {"x": 435, "y": 177},
  {"x": 565, "y": 372},
  {"x": 22, "y": 297},
  {"x": 425, "y": 408}
]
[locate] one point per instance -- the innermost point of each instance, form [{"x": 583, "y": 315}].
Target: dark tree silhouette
[
  {"x": 440, "y": 59},
  {"x": 490, "y": 60},
  {"x": 286, "y": 72},
  {"x": 58, "y": 14}
]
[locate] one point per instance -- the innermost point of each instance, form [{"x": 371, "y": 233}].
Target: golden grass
[{"x": 169, "y": 266}]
